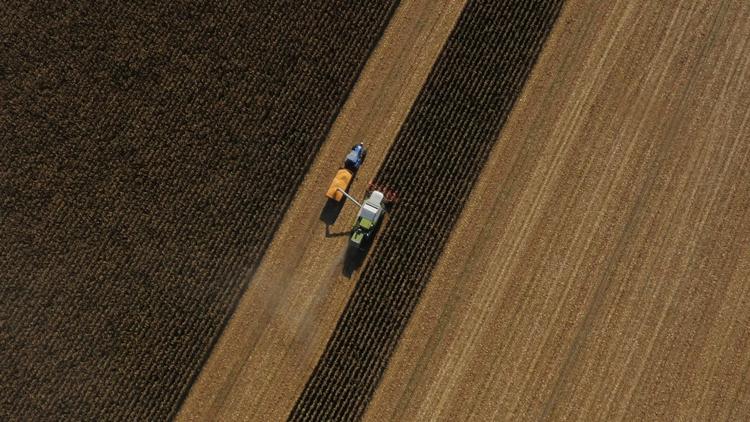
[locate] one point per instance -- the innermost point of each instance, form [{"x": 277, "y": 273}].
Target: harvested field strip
[
  {"x": 280, "y": 327},
  {"x": 148, "y": 155},
  {"x": 432, "y": 164}
]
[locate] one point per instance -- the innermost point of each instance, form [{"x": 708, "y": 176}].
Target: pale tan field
[{"x": 601, "y": 270}]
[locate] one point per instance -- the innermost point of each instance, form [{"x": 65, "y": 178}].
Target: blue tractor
[
  {"x": 355, "y": 157},
  {"x": 344, "y": 176}
]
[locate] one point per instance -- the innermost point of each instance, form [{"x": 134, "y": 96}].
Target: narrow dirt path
[
  {"x": 272, "y": 343},
  {"x": 600, "y": 268}
]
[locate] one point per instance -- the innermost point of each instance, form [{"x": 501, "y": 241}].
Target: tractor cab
[
  {"x": 355, "y": 157},
  {"x": 345, "y": 175}
]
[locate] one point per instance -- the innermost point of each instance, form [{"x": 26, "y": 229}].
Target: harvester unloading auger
[{"x": 371, "y": 210}]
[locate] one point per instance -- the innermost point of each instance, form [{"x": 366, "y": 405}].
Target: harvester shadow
[{"x": 353, "y": 259}]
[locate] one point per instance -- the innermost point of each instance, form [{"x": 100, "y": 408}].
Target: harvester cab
[{"x": 368, "y": 219}]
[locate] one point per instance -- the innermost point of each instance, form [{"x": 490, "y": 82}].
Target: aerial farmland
[{"x": 385, "y": 210}]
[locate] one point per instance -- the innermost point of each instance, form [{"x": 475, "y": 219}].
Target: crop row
[
  {"x": 433, "y": 164},
  {"x": 149, "y": 153}
]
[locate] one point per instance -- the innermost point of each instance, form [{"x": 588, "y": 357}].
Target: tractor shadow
[{"x": 330, "y": 212}]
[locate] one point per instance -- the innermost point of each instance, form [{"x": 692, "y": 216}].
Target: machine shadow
[
  {"x": 330, "y": 212},
  {"x": 353, "y": 259}
]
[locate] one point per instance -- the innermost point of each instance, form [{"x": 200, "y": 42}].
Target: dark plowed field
[
  {"x": 147, "y": 155},
  {"x": 433, "y": 165}
]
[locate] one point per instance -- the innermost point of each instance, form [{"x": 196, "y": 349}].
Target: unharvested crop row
[
  {"x": 433, "y": 164},
  {"x": 148, "y": 154}
]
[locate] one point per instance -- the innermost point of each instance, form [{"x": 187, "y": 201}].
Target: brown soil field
[
  {"x": 600, "y": 269},
  {"x": 148, "y": 151},
  {"x": 280, "y": 328}
]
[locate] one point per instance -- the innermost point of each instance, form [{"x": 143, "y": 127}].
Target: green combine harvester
[{"x": 368, "y": 219}]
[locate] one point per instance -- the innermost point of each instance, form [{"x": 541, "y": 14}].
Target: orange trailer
[{"x": 341, "y": 181}]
